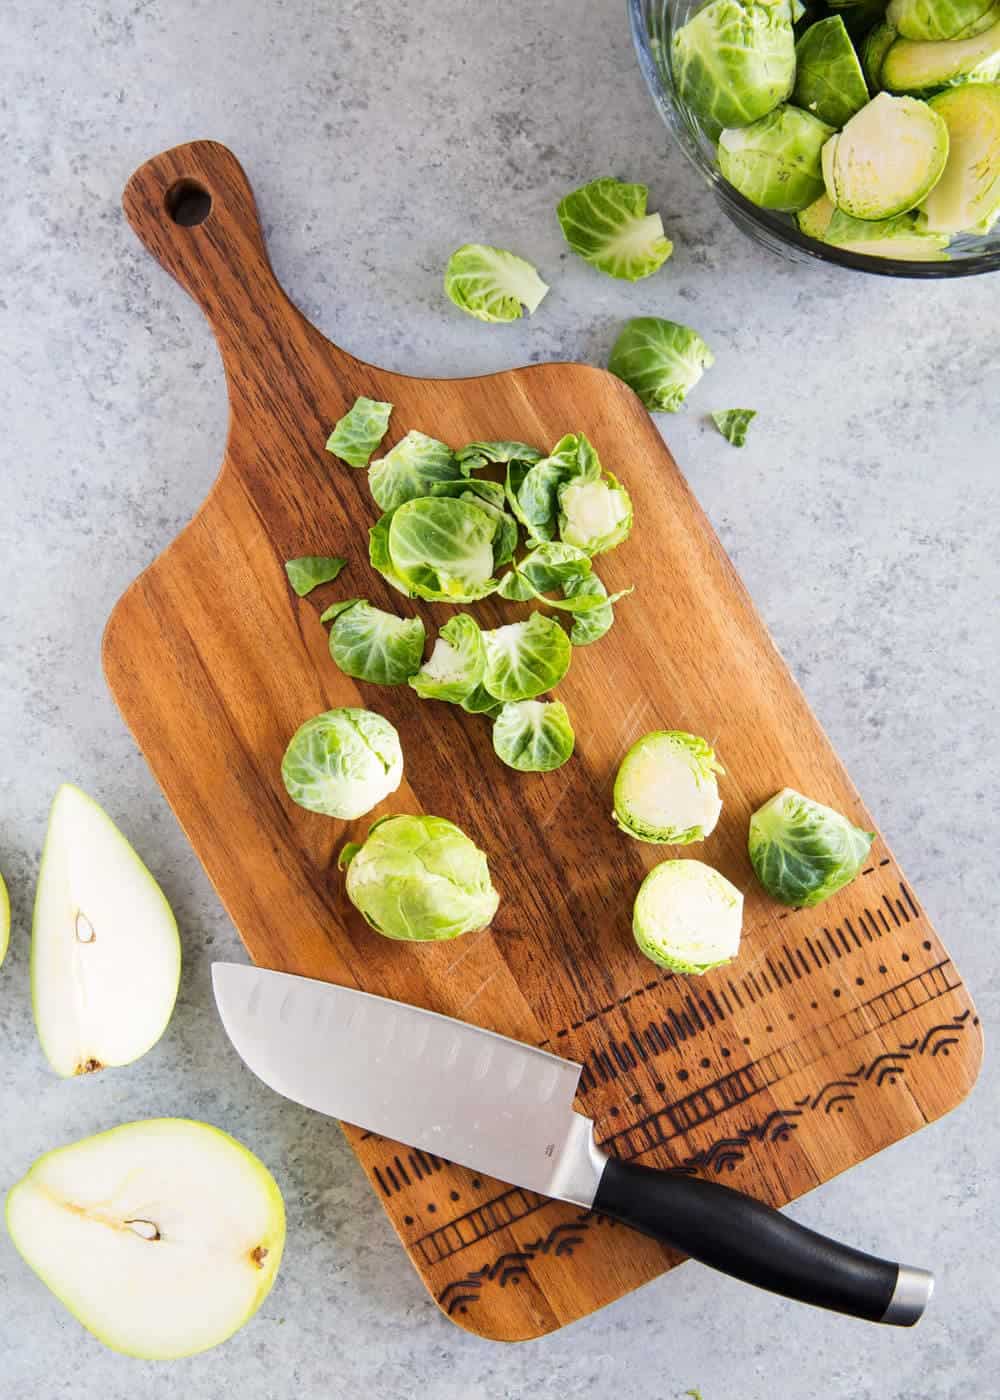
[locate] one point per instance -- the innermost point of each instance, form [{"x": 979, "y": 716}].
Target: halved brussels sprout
[
  {"x": 492, "y": 284},
  {"x": 803, "y": 852},
  {"x": 687, "y": 918},
  {"x": 606, "y": 223},
  {"x": 734, "y": 60},
  {"x": 524, "y": 659},
  {"x": 887, "y": 158},
  {"x": 901, "y": 237},
  {"x": 814, "y": 220},
  {"x": 372, "y": 645},
  {"x": 968, "y": 193},
  {"x": 356, "y": 435},
  {"x": 661, "y": 360},
  {"x": 666, "y": 791},
  {"x": 441, "y": 549},
  {"x": 420, "y": 879},
  {"x": 310, "y": 570},
  {"x": 829, "y": 81},
  {"x": 874, "y": 47},
  {"x": 343, "y": 763},
  {"x": 936, "y": 19},
  {"x": 533, "y": 736},
  {"x": 916, "y": 66},
  {"x": 410, "y": 469},
  {"x": 775, "y": 162},
  {"x": 456, "y": 665},
  {"x": 594, "y": 515}
]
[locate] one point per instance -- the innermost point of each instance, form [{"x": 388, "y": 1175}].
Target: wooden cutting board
[{"x": 837, "y": 1031}]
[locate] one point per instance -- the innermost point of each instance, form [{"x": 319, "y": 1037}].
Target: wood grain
[{"x": 836, "y": 1032}]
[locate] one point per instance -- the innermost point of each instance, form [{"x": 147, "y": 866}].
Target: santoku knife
[{"x": 506, "y": 1109}]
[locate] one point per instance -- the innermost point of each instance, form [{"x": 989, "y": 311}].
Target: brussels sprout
[
  {"x": 687, "y": 918},
  {"x": 887, "y": 158},
  {"x": 309, "y": 571},
  {"x": 661, "y": 360},
  {"x": 589, "y": 626},
  {"x": 410, "y": 469},
  {"x": 594, "y": 515},
  {"x": 476, "y": 455},
  {"x": 916, "y": 66},
  {"x": 356, "y": 435},
  {"x": 814, "y": 220},
  {"x": 666, "y": 791},
  {"x": 734, "y": 60},
  {"x": 732, "y": 423},
  {"x": 936, "y": 19},
  {"x": 534, "y": 494},
  {"x": 456, "y": 665},
  {"x": 803, "y": 852},
  {"x": 901, "y": 237},
  {"x": 606, "y": 223},
  {"x": 524, "y": 659},
  {"x": 829, "y": 81},
  {"x": 874, "y": 47},
  {"x": 372, "y": 645},
  {"x": 968, "y": 193},
  {"x": 775, "y": 162},
  {"x": 420, "y": 879},
  {"x": 441, "y": 549},
  {"x": 492, "y": 284},
  {"x": 533, "y": 736},
  {"x": 343, "y": 763}
]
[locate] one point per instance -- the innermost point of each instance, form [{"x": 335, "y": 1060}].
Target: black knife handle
[{"x": 751, "y": 1241}]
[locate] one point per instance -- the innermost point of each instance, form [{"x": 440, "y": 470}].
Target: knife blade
[{"x": 505, "y": 1109}]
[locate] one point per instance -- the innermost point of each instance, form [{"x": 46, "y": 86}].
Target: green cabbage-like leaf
[
  {"x": 533, "y": 736},
  {"x": 376, "y": 646},
  {"x": 476, "y": 455},
  {"x": 481, "y": 702},
  {"x": 310, "y": 570},
  {"x": 547, "y": 567},
  {"x": 455, "y": 668},
  {"x": 490, "y": 497},
  {"x": 803, "y": 852},
  {"x": 492, "y": 284},
  {"x": 687, "y": 918},
  {"x": 411, "y": 469},
  {"x": 524, "y": 659},
  {"x": 534, "y": 494},
  {"x": 441, "y": 549},
  {"x": 606, "y": 223},
  {"x": 734, "y": 60},
  {"x": 661, "y": 360},
  {"x": 589, "y": 626},
  {"x": 356, "y": 435},
  {"x": 666, "y": 791},
  {"x": 732, "y": 423},
  {"x": 829, "y": 81},
  {"x": 343, "y": 763},
  {"x": 420, "y": 879}
]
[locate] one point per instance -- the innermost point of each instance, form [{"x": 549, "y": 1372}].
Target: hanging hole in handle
[{"x": 188, "y": 203}]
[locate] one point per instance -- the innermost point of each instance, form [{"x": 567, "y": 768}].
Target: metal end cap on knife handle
[{"x": 910, "y": 1297}]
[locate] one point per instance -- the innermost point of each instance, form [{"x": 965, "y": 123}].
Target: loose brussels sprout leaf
[
  {"x": 492, "y": 284},
  {"x": 734, "y": 60},
  {"x": 814, "y": 220},
  {"x": 968, "y": 193},
  {"x": 420, "y": 879},
  {"x": 372, "y": 645},
  {"x": 829, "y": 81},
  {"x": 356, "y": 435},
  {"x": 874, "y": 47},
  {"x": 666, "y": 791},
  {"x": 916, "y": 66},
  {"x": 343, "y": 763},
  {"x": 411, "y": 469},
  {"x": 887, "y": 158},
  {"x": 490, "y": 497},
  {"x": 481, "y": 702},
  {"x": 732, "y": 423},
  {"x": 803, "y": 852},
  {"x": 589, "y": 626},
  {"x": 548, "y": 566},
  {"x": 534, "y": 494},
  {"x": 524, "y": 659},
  {"x": 661, "y": 360},
  {"x": 378, "y": 557},
  {"x": 533, "y": 736},
  {"x": 456, "y": 665},
  {"x": 900, "y": 238},
  {"x": 687, "y": 918},
  {"x": 309, "y": 571},
  {"x": 775, "y": 162},
  {"x": 443, "y": 549},
  {"x": 476, "y": 455},
  {"x": 594, "y": 515},
  {"x": 936, "y": 19},
  {"x": 606, "y": 223}
]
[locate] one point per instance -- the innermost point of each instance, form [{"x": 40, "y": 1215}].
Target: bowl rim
[{"x": 675, "y": 119}]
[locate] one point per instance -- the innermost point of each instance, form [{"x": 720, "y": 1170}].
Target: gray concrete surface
[{"x": 863, "y": 516}]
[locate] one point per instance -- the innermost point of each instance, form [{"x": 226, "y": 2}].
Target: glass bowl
[{"x": 653, "y": 23}]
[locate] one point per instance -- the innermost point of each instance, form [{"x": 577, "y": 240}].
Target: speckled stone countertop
[{"x": 863, "y": 515}]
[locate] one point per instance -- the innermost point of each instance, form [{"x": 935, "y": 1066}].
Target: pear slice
[
  {"x": 105, "y": 955},
  {"x": 161, "y": 1237},
  {"x": 4, "y": 919}
]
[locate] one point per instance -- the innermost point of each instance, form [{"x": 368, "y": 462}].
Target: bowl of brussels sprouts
[{"x": 859, "y": 132}]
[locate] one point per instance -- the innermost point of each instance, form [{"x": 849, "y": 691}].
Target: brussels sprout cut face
[
  {"x": 492, "y": 284},
  {"x": 661, "y": 360},
  {"x": 606, "y": 223},
  {"x": 666, "y": 790},
  {"x": 359, "y": 432},
  {"x": 419, "y": 879},
  {"x": 734, "y": 60},
  {"x": 687, "y": 917},
  {"x": 887, "y": 158},
  {"x": 343, "y": 763},
  {"x": 775, "y": 163},
  {"x": 967, "y": 196},
  {"x": 524, "y": 659},
  {"x": 803, "y": 852},
  {"x": 594, "y": 515},
  {"x": 916, "y": 67},
  {"x": 901, "y": 237},
  {"x": 533, "y": 736}
]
